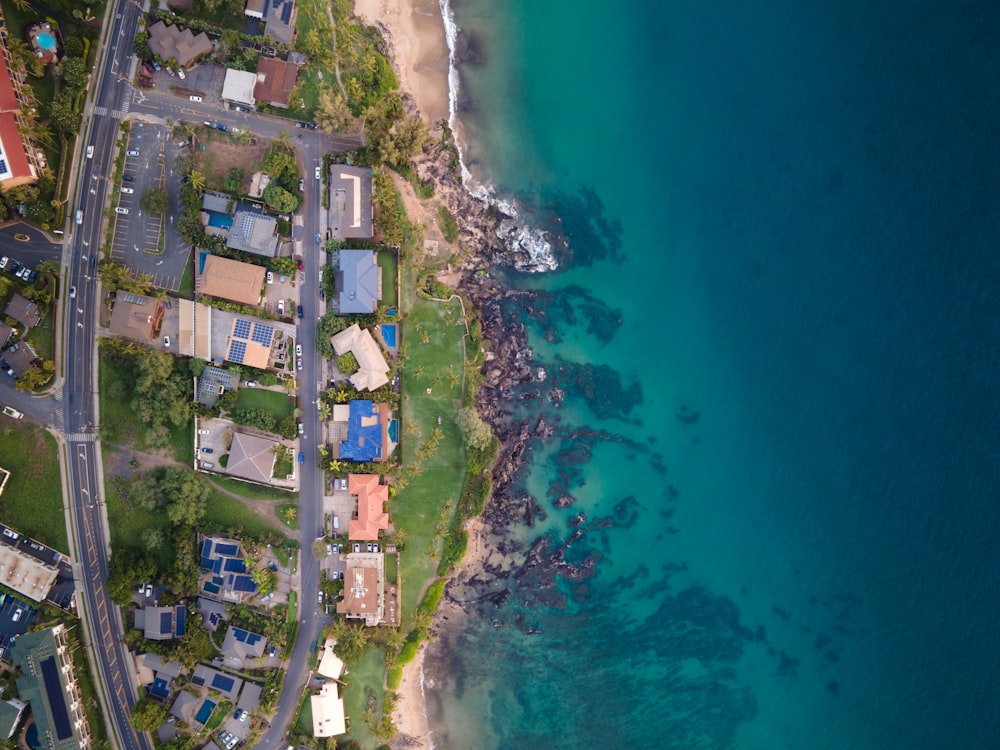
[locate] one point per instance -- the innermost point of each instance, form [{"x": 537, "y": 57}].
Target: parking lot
[
  {"x": 137, "y": 234},
  {"x": 11, "y": 628}
]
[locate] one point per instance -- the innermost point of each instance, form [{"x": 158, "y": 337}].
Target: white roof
[
  {"x": 372, "y": 368},
  {"x": 330, "y": 664},
  {"x": 328, "y": 713},
  {"x": 238, "y": 86}
]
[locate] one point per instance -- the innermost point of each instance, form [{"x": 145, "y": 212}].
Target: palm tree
[
  {"x": 197, "y": 180},
  {"x": 22, "y": 5}
]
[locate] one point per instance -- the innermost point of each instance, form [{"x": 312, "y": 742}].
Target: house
[
  {"x": 162, "y": 623},
  {"x": 232, "y": 280},
  {"x": 11, "y": 712},
  {"x": 27, "y": 567},
  {"x": 24, "y": 311},
  {"x": 212, "y": 613},
  {"x": 48, "y": 683},
  {"x": 255, "y": 8},
  {"x": 372, "y": 498},
  {"x": 216, "y": 216},
  {"x": 373, "y": 371},
  {"x": 224, "y": 571},
  {"x": 237, "y": 88},
  {"x": 185, "y": 706},
  {"x": 330, "y": 666},
  {"x": 136, "y": 316},
  {"x": 249, "y": 343},
  {"x": 155, "y": 675},
  {"x": 278, "y": 15},
  {"x": 252, "y": 458},
  {"x": 359, "y": 281},
  {"x": 364, "y": 584},
  {"x": 351, "y": 201},
  {"x": 212, "y": 383},
  {"x": 254, "y": 233},
  {"x": 276, "y": 80},
  {"x": 366, "y": 432},
  {"x": 250, "y": 697},
  {"x": 6, "y": 332},
  {"x": 241, "y": 647},
  {"x": 213, "y": 679},
  {"x": 20, "y": 357},
  {"x": 21, "y": 162},
  {"x": 328, "y": 712},
  {"x": 167, "y": 41}
]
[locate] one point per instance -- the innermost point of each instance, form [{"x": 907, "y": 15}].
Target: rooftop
[
  {"x": 363, "y": 583},
  {"x": 212, "y": 382},
  {"x": 251, "y": 457},
  {"x": 373, "y": 370},
  {"x": 372, "y": 498},
  {"x": 184, "y": 46},
  {"x": 328, "y": 712},
  {"x": 359, "y": 280},
  {"x": 364, "y": 433},
  {"x": 238, "y": 86},
  {"x": 241, "y": 647},
  {"x": 136, "y": 316},
  {"x": 351, "y": 197},
  {"x": 254, "y": 233},
  {"x": 23, "y": 310},
  {"x": 275, "y": 81},
  {"x": 232, "y": 280}
]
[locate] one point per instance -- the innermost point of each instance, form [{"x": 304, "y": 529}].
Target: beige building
[
  {"x": 373, "y": 370},
  {"x": 328, "y": 712},
  {"x": 252, "y": 458},
  {"x": 364, "y": 588},
  {"x": 232, "y": 280}
]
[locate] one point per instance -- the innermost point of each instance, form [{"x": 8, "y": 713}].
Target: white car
[
  {"x": 133, "y": 152},
  {"x": 203, "y": 432},
  {"x": 166, "y": 341},
  {"x": 72, "y": 292},
  {"x": 281, "y": 307},
  {"x": 195, "y": 98},
  {"x": 298, "y": 350},
  {"x": 120, "y": 210},
  {"x": 4, "y": 261},
  {"x": 298, "y": 363},
  {"x": 128, "y": 190},
  {"x": 270, "y": 277},
  {"x": 90, "y": 152},
  {"x": 317, "y": 173},
  {"x": 302, "y": 429}
]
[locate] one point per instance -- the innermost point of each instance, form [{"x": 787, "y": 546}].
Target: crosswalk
[
  {"x": 81, "y": 437},
  {"x": 117, "y": 114}
]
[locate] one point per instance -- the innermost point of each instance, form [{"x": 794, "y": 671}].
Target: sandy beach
[{"x": 418, "y": 47}]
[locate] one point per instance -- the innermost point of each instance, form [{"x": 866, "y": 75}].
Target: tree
[
  {"x": 280, "y": 199},
  {"x": 32, "y": 378},
  {"x": 74, "y": 72},
  {"x": 187, "y": 495},
  {"x": 477, "y": 433},
  {"x": 347, "y": 363},
  {"x": 196, "y": 179},
  {"x": 332, "y": 114},
  {"x": 288, "y": 427},
  {"x": 127, "y": 568},
  {"x": 155, "y": 200},
  {"x": 231, "y": 40},
  {"x": 147, "y": 715},
  {"x": 140, "y": 45},
  {"x": 266, "y": 580},
  {"x": 64, "y": 118}
]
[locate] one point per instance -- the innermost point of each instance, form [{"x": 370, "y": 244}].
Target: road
[{"x": 99, "y": 614}]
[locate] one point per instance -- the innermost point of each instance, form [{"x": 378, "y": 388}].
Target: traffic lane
[{"x": 34, "y": 250}]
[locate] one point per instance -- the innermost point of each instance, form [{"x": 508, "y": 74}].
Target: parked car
[
  {"x": 298, "y": 350},
  {"x": 128, "y": 191},
  {"x": 302, "y": 458},
  {"x": 180, "y": 72},
  {"x": 169, "y": 303},
  {"x": 317, "y": 173},
  {"x": 298, "y": 363},
  {"x": 302, "y": 186},
  {"x": 320, "y": 597},
  {"x": 249, "y": 384},
  {"x": 270, "y": 277},
  {"x": 4, "y": 261},
  {"x": 281, "y": 307},
  {"x": 128, "y": 178},
  {"x": 203, "y": 432},
  {"x": 301, "y": 429},
  {"x": 238, "y": 108},
  {"x": 120, "y": 210},
  {"x": 207, "y": 465},
  {"x": 149, "y": 589},
  {"x": 194, "y": 98},
  {"x": 133, "y": 152},
  {"x": 166, "y": 341},
  {"x": 298, "y": 310},
  {"x": 207, "y": 450},
  {"x": 18, "y": 612}
]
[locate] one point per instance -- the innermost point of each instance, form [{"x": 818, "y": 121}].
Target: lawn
[
  {"x": 289, "y": 515},
  {"x": 40, "y": 337},
  {"x": 187, "y": 280},
  {"x": 283, "y": 466},
  {"x": 250, "y": 490},
  {"x": 276, "y": 403},
  {"x": 367, "y": 678},
  {"x": 228, "y": 514},
  {"x": 387, "y": 262},
  {"x": 436, "y": 365},
  {"x": 128, "y": 523},
  {"x": 32, "y": 501}
]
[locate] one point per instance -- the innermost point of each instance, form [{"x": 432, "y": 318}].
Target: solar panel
[
  {"x": 134, "y": 299},
  {"x": 181, "y": 620},
  {"x": 159, "y": 687},
  {"x": 206, "y": 563},
  {"x": 223, "y": 683},
  {"x": 240, "y": 634},
  {"x": 244, "y": 584},
  {"x": 227, "y": 549},
  {"x": 235, "y": 565},
  {"x": 241, "y": 329},
  {"x": 206, "y": 548},
  {"x": 166, "y": 622},
  {"x": 198, "y": 680},
  {"x": 57, "y": 700},
  {"x": 262, "y": 334},
  {"x": 286, "y": 13},
  {"x": 214, "y": 618},
  {"x": 217, "y": 565},
  {"x": 237, "y": 351},
  {"x": 3, "y": 166},
  {"x": 253, "y": 638}
]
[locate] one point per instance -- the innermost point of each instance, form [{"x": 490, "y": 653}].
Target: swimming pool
[
  {"x": 46, "y": 41},
  {"x": 204, "y": 712},
  {"x": 394, "y": 430},
  {"x": 389, "y": 334}
]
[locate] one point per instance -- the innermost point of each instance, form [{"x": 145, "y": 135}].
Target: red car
[{"x": 299, "y": 266}]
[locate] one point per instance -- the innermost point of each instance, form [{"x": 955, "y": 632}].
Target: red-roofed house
[
  {"x": 20, "y": 162},
  {"x": 372, "y": 498}
]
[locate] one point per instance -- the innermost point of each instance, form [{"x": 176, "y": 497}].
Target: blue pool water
[
  {"x": 220, "y": 221},
  {"x": 31, "y": 737},
  {"x": 204, "y": 712},
  {"x": 391, "y": 311},
  {"x": 389, "y": 334},
  {"x": 46, "y": 41},
  {"x": 394, "y": 430}
]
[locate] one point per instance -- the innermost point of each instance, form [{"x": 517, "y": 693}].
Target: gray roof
[
  {"x": 207, "y": 608},
  {"x": 215, "y": 202},
  {"x": 23, "y": 310},
  {"x": 227, "y": 684},
  {"x": 212, "y": 382},
  {"x": 9, "y": 714},
  {"x": 5, "y": 333},
  {"x": 240, "y": 649},
  {"x": 19, "y": 357},
  {"x": 279, "y": 20},
  {"x": 351, "y": 197},
  {"x": 250, "y": 697},
  {"x": 254, "y": 233},
  {"x": 155, "y": 663},
  {"x": 184, "y": 46},
  {"x": 185, "y": 706},
  {"x": 251, "y": 457},
  {"x": 358, "y": 279}
]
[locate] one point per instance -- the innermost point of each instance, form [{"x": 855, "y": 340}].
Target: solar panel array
[
  {"x": 166, "y": 622},
  {"x": 262, "y": 334},
  {"x": 181, "y": 628},
  {"x": 240, "y": 634},
  {"x": 159, "y": 687},
  {"x": 223, "y": 683},
  {"x": 243, "y": 584},
  {"x": 227, "y": 549},
  {"x": 235, "y": 565},
  {"x": 237, "y": 351},
  {"x": 134, "y": 299},
  {"x": 241, "y": 329}
]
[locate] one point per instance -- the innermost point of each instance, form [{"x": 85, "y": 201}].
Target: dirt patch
[{"x": 222, "y": 152}]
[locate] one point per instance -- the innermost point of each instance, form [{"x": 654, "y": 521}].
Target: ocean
[{"x": 772, "y": 362}]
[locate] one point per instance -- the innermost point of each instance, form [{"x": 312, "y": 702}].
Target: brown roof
[
  {"x": 20, "y": 357},
  {"x": 275, "y": 81},
  {"x": 251, "y": 457},
  {"x": 135, "y": 316},
  {"x": 184, "y": 46},
  {"x": 5, "y": 333},
  {"x": 360, "y": 592},
  {"x": 232, "y": 280},
  {"x": 372, "y": 498},
  {"x": 23, "y": 310}
]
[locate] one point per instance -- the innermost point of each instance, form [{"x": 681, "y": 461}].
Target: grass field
[
  {"x": 32, "y": 501},
  {"x": 128, "y": 524},
  {"x": 418, "y": 507},
  {"x": 252, "y": 491},
  {"x": 387, "y": 262},
  {"x": 274, "y": 402},
  {"x": 41, "y": 336},
  {"x": 367, "y": 677},
  {"x": 229, "y": 514}
]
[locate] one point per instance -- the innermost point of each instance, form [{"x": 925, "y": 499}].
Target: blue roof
[
  {"x": 180, "y": 627},
  {"x": 364, "y": 442},
  {"x": 206, "y": 549},
  {"x": 166, "y": 622},
  {"x": 204, "y": 712},
  {"x": 358, "y": 281},
  {"x": 159, "y": 688},
  {"x": 243, "y": 584},
  {"x": 223, "y": 683}
]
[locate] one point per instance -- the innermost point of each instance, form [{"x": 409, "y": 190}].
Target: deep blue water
[{"x": 778, "y": 337}]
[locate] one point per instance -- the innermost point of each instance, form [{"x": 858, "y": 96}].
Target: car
[
  {"x": 149, "y": 589},
  {"x": 249, "y": 384},
  {"x": 302, "y": 186},
  {"x": 298, "y": 311},
  {"x": 302, "y": 429},
  {"x": 128, "y": 191},
  {"x": 90, "y": 152},
  {"x": 243, "y": 716},
  {"x": 146, "y": 83},
  {"x": 4, "y": 261},
  {"x": 302, "y": 460},
  {"x": 120, "y": 210},
  {"x": 79, "y": 217},
  {"x": 357, "y": 547},
  {"x": 166, "y": 341},
  {"x": 298, "y": 350},
  {"x": 208, "y": 450},
  {"x": 273, "y": 566},
  {"x": 17, "y": 614},
  {"x": 157, "y": 66},
  {"x": 207, "y": 465},
  {"x": 317, "y": 173},
  {"x": 281, "y": 307},
  {"x": 300, "y": 124},
  {"x": 320, "y": 597},
  {"x": 170, "y": 71},
  {"x": 238, "y": 108},
  {"x": 72, "y": 292},
  {"x": 169, "y": 303},
  {"x": 180, "y": 72},
  {"x": 329, "y": 549},
  {"x": 203, "y": 432},
  {"x": 133, "y": 152},
  {"x": 271, "y": 651},
  {"x": 311, "y": 126},
  {"x": 370, "y": 547},
  {"x": 298, "y": 363},
  {"x": 298, "y": 265},
  {"x": 270, "y": 277},
  {"x": 128, "y": 178},
  {"x": 342, "y": 484},
  {"x": 223, "y": 128},
  {"x": 194, "y": 98}
]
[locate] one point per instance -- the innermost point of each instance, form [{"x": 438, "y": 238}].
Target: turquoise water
[
  {"x": 46, "y": 41},
  {"x": 776, "y": 336},
  {"x": 388, "y": 331}
]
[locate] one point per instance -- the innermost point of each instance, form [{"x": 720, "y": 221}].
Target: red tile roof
[
  {"x": 8, "y": 99},
  {"x": 372, "y": 498}
]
